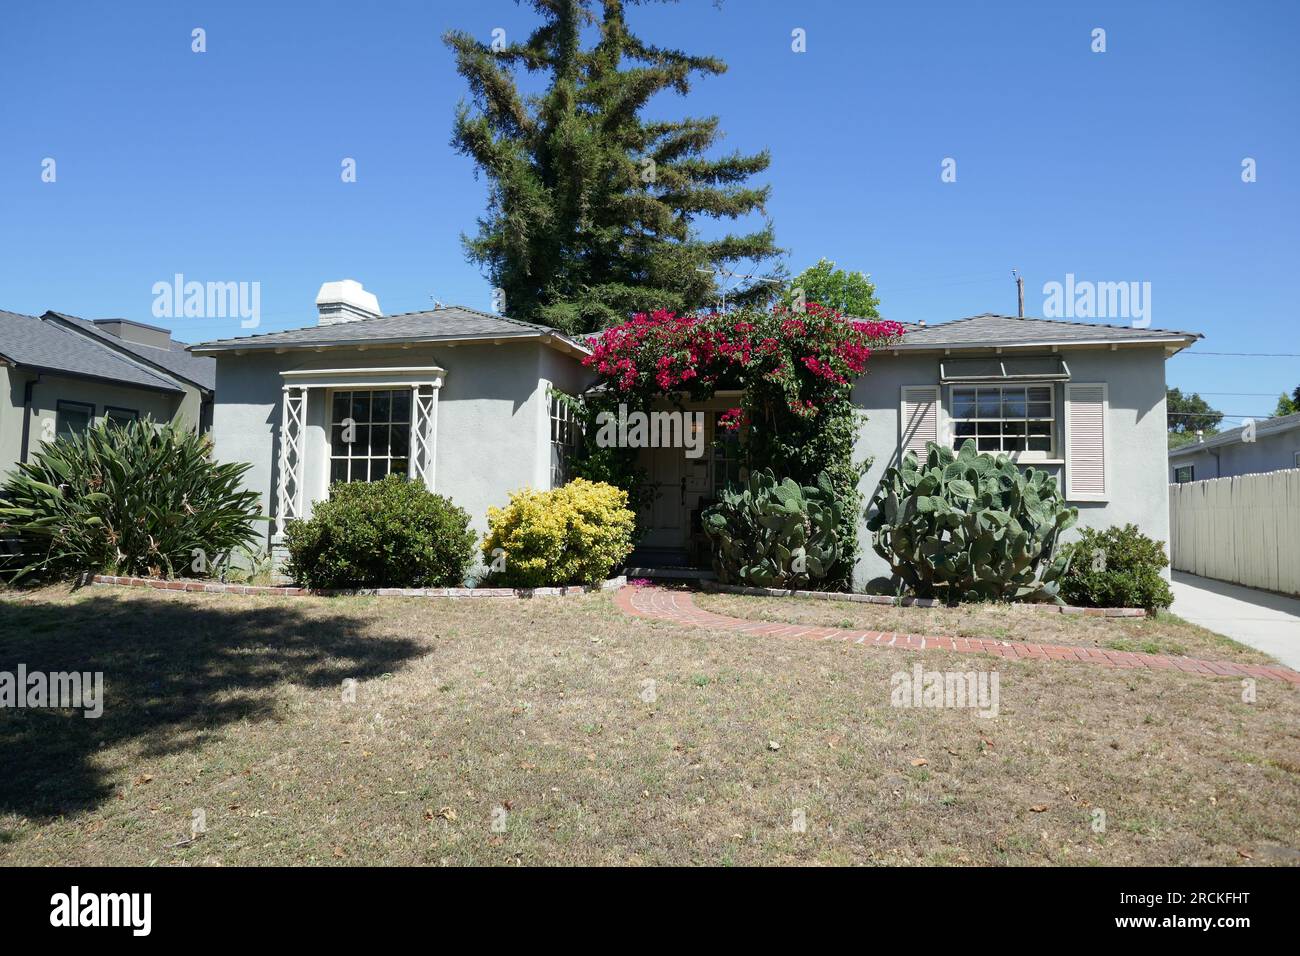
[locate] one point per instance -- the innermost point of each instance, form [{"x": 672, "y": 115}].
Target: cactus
[
  {"x": 971, "y": 526},
  {"x": 768, "y": 534}
]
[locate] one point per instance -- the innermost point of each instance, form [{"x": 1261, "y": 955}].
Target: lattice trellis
[
  {"x": 424, "y": 423},
  {"x": 289, "y": 496}
]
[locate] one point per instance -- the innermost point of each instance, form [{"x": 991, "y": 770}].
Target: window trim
[
  {"x": 567, "y": 422},
  {"x": 1191, "y": 474},
  {"x": 329, "y": 432},
  {"x": 1053, "y": 455},
  {"x": 133, "y": 412},
  {"x": 58, "y": 410}
]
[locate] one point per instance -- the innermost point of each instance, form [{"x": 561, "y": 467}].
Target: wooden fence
[{"x": 1244, "y": 529}]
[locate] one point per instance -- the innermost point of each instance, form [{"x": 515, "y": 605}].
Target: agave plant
[
  {"x": 134, "y": 498},
  {"x": 767, "y": 533},
  {"x": 971, "y": 526}
]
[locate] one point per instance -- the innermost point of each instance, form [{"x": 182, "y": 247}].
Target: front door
[{"x": 665, "y": 519}]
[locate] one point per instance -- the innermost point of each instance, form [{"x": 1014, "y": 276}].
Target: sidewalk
[{"x": 1266, "y": 622}]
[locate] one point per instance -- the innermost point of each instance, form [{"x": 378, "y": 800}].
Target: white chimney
[{"x": 346, "y": 301}]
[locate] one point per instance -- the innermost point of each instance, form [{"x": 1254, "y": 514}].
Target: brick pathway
[{"x": 679, "y": 606}]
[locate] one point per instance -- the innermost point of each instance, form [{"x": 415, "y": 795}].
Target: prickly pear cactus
[
  {"x": 971, "y": 526},
  {"x": 774, "y": 534}
]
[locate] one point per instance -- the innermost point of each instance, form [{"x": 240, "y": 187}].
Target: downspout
[{"x": 27, "y": 415}]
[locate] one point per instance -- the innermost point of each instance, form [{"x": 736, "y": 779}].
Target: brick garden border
[
  {"x": 909, "y": 601},
  {"x": 679, "y": 607},
  {"x": 215, "y": 587}
]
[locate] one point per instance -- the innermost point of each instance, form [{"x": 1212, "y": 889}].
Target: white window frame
[
  {"x": 564, "y": 423},
  {"x": 330, "y": 423},
  {"x": 1053, "y": 454}
]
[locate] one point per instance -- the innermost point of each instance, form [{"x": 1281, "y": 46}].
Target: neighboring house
[
  {"x": 1274, "y": 445},
  {"x": 462, "y": 399},
  {"x": 59, "y": 373}
]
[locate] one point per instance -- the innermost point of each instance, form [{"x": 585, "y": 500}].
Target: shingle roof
[
  {"x": 989, "y": 330},
  {"x": 177, "y": 359},
  {"x": 27, "y": 340},
  {"x": 450, "y": 323},
  {"x": 1268, "y": 426}
]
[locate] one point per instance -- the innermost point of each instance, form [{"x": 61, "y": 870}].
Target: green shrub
[
  {"x": 970, "y": 526},
  {"x": 133, "y": 499},
  {"x": 575, "y": 534},
  {"x": 775, "y": 535},
  {"x": 1118, "y": 567},
  {"x": 393, "y": 533}
]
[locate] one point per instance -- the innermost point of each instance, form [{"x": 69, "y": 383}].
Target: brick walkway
[{"x": 679, "y": 606}]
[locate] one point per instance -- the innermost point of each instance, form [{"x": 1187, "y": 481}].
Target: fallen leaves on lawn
[{"x": 919, "y": 762}]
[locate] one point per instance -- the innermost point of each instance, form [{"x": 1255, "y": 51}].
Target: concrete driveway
[{"x": 1267, "y": 622}]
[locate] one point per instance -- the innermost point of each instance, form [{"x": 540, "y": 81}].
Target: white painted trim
[
  {"x": 1070, "y": 494},
  {"x": 364, "y": 377},
  {"x": 1055, "y": 454}
]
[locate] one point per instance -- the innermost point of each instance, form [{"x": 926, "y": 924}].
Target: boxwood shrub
[
  {"x": 393, "y": 533},
  {"x": 1118, "y": 567}
]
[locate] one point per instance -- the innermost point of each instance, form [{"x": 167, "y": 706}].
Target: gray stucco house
[
  {"x": 465, "y": 400},
  {"x": 60, "y": 373},
  {"x": 1270, "y": 445},
  {"x": 460, "y": 399}
]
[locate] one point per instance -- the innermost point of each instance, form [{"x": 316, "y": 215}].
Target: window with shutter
[
  {"x": 919, "y": 419},
  {"x": 1085, "y": 442}
]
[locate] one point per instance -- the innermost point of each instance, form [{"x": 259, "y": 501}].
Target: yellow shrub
[{"x": 575, "y": 534}]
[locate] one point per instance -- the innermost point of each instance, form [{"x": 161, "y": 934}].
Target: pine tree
[{"x": 593, "y": 210}]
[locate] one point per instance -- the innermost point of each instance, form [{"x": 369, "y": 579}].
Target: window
[
  {"x": 120, "y": 415},
  {"x": 1005, "y": 418},
  {"x": 726, "y": 456},
  {"x": 1185, "y": 473},
  {"x": 73, "y": 418},
  {"x": 370, "y": 434},
  {"x": 1296, "y": 459},
  {"x": 566, "y": 434}
]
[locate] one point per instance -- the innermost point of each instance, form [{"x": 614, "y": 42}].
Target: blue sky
[{"x": 1115, "y": 166}]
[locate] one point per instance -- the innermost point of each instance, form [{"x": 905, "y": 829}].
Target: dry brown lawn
[
  {"x": 1163, "y": 634},
  {"x": 539, "y": 715}
]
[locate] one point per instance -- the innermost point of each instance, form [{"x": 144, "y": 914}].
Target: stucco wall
[
  {"x": 1136, "y": 472},
  {"x": 1267, "y": 453},
  {"x": 491, "y": 416}
]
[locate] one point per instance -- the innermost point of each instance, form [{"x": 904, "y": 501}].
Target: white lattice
[
  {"x": 424, "y": 422},
  {"x": 289, "y": 496}
]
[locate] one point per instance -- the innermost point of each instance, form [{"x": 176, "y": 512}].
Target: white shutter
[
  {"x": 919, "y": 419},
  {"x": 1086, "y": 446}
]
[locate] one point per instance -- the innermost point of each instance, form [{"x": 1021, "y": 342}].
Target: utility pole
[{"x": 1020, "y": 293}]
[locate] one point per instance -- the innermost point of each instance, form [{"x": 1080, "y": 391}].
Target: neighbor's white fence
[{"x": 1244, "y": 529}]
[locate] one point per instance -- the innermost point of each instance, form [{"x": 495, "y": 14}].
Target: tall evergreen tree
[{"x": 593, "y": 209}]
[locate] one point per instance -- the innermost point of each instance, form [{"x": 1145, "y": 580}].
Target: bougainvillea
[{"x": 795, "y": 371}]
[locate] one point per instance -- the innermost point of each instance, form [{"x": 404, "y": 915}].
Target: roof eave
[{"x": 1181, "y": 342}]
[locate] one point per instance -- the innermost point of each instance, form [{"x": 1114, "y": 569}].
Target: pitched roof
[
  {"x": 451, "y": 323},
  {"x": 48, "y": 346},
  {"x": 176, "y": 359},
  {"x": 1269, "y": 426},
  {"x": 991, "y": 331}
]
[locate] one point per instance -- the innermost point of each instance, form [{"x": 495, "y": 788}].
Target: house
[
  {"x": 1269, "y": 445},
  {"x": 466, "y": 400},
  {"x": 1082, "y": 400},
  {"x": 463, "y": 400},
  {"x": 60, "y": 373}
]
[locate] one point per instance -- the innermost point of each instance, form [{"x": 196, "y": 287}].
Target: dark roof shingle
[
  {"x": 177, "y": 359},
  {"x": 27, "y": 340},
  {"x": 989, "y": 330}
]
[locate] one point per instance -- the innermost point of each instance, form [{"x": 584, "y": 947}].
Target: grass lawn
[
  {"x": 1163, "y": 634},
  {"x": 232, "y": 706}
]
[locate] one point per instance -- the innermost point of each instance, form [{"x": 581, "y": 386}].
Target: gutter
[{"x": 555, "y": 340}]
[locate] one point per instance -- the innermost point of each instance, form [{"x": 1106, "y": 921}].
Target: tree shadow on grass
[{"x": 174, "y": 671}]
